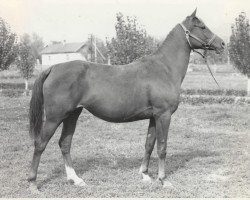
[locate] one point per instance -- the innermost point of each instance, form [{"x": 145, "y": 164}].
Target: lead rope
[{"x": 204, "y": 56}]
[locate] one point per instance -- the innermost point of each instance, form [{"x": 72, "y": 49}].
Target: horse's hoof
[
  {"x": 33, "y": 188},
  {"x": 165, "y": 183},
  {"x": 81, "y": 184},
  {"x": 146, "y": 178},
  {"x": 78, "y": 182}
]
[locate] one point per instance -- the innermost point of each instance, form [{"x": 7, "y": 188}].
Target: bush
[
  {"x": 221, "y": 92},
  {"x": 236, "y": 92},
  {"x": 14, "y": 86},
  {"x": 207, "y": 99},
  {"x": 12, "y": 93}
]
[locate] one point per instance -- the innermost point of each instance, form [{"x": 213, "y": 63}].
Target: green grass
[{"x": 207, "y": 155}]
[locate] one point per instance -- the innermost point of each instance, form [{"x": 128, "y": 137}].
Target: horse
[{"x": 148, "y": 88}]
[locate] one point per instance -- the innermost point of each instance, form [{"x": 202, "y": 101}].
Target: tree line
[
  {"x": 23, "y": 53},
  {"x": 130, "y": 43}
]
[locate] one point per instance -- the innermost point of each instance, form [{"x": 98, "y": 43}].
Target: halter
[{"x": 205, "y": 45}]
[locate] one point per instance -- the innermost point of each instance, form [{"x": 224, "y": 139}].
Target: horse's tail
[{"x": 36, "y": 105}]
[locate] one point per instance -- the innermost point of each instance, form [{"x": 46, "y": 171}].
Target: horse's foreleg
[
  {"x": 149, "y": 146},
  {"x": 40, "y": 144},
  {"x": 69, "y": 125},
  {"x": 162, "y": 127}
]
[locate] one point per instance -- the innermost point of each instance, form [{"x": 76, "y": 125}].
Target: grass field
[
  {"x": 198, "y": 80},
  {"x": 207, "y": 156}
]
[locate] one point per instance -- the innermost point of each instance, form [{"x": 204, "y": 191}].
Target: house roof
[{"x": 63, "y": 48}]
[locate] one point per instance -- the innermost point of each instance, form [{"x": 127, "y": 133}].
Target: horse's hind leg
[
  {"x": 40, "y": 144},
  {"x": 149, "y": 146},
  {"x": 69, "y": 125}
]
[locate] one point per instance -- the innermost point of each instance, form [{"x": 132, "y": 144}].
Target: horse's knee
[
  {"x": 65, "y": 148},
  {"x": 161, "y": 153},
  {"x": 149, "y": 150},
  {"x": 149, "y": 144},
  {"x": 39, "y": 147}
]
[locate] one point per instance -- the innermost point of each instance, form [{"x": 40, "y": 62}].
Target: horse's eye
[{"x": 202, "y": 27}]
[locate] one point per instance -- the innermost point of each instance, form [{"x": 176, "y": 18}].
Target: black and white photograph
[{"x": 124, "y": 99}]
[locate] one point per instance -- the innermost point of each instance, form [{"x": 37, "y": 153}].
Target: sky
[{"x": 75, "y": 20}]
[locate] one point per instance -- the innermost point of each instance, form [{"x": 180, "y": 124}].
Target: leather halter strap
[{"x": 188, "y": 34}]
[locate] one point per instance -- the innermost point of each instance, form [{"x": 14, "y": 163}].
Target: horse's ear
[{"x": 194, "y": 13}]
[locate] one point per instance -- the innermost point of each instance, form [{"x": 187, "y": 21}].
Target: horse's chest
[{"x": 164, "y": 97}]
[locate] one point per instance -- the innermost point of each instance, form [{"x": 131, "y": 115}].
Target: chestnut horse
[{"x": 148, "y": 88}]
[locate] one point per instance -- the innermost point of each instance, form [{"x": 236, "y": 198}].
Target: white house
[{"x": 63, "y": 52}]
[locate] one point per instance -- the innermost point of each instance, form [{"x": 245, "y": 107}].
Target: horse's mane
[{"x": 169, "y": 37}]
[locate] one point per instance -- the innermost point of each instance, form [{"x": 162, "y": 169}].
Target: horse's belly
[{"x": 120, "y": 113}]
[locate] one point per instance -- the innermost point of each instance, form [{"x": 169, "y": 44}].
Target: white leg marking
[
  {"x": 71, "y": 175},
  {"x": 140, "y": 170},
  {"x": 33, "y": 188},
  {"x": 146, "y": 177}
]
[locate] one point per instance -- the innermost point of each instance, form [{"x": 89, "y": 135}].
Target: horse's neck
[{"x": 175, "y": 53}]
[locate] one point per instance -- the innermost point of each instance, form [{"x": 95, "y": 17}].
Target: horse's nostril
[{"x": 223, "y": 44}]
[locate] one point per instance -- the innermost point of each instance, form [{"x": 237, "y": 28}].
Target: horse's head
[{"x": 199, "y": 35}]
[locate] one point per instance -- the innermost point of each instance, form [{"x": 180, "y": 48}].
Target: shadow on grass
[
  {"x": 56, "y": 173},
  {"x": 173, "y": 163},
  {"x": 178, "y": 161}
]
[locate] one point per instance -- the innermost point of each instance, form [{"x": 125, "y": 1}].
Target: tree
[
  {"x": 239, "y": 48},
  {"x": 8, "y": 48},
  {"x": 26, "y": 59},
  {"x": 131, "y": 42},
  {"x": 37, "y": 45}
]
